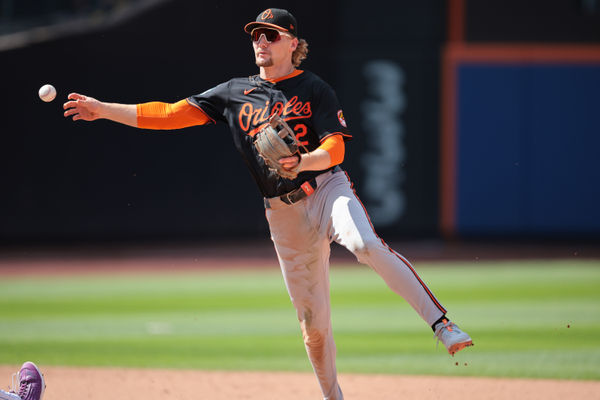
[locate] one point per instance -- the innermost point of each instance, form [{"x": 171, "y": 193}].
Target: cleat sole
[{"x": 455, "y": 348}]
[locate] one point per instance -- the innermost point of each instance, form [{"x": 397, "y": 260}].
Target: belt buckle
[{"x": 287, "y": 197}]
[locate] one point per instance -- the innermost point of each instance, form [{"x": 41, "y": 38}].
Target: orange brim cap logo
[{"x": 267, "y": 14}]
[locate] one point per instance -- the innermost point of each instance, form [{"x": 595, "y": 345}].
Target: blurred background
[{"x": 472, "y": 121}]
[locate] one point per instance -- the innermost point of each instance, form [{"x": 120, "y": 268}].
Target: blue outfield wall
[{"x": 528, "y": 144}]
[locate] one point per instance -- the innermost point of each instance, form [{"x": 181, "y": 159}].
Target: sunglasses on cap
[{"x": 271, "y": 35}]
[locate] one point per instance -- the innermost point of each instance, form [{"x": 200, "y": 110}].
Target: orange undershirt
[
  {"x": 158, "y": 115},
  {"x": 334, "y": 145}
]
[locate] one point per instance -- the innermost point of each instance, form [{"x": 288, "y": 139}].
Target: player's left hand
[{"x": 290, "y": 162}]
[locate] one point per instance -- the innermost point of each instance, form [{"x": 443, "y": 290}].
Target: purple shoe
[{"x": 31, "y": 382}]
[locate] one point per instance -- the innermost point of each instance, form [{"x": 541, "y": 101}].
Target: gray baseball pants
[
  {"x": 302, "y": 234},
  {"x": 8, "y": 395}
]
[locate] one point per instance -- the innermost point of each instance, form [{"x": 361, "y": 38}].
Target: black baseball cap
[{"x": 276, "y": 18}]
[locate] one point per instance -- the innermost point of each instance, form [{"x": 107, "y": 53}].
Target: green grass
[{"x": 528, "y": 319}]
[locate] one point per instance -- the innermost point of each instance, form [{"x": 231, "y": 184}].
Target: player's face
[{"x": 272, "y": 47}]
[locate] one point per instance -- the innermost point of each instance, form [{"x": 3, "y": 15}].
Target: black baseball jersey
[{"x": 302, "y": 99}]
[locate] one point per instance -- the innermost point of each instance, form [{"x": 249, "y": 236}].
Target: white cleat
[{"x": 453, "y": 338}]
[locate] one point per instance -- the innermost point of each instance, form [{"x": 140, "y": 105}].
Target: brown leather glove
[{"x": 276, "y": 141}]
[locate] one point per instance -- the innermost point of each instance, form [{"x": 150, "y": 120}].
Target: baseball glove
[{"x": 276, "y": 141}]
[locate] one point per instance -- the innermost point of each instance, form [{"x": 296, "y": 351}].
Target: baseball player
[
  {"x": 315, "y": 203},
  {"x": 31, "y": 384}
]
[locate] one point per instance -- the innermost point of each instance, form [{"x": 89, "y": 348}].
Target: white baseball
[{"x": 47, "y": 93}]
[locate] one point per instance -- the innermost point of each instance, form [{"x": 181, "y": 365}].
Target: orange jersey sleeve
[
  {"x": 158, "y": 115},
  {"x": 334, "y": 145}
]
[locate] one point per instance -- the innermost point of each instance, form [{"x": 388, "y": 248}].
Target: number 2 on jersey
[{"x": 301, "y": 130}]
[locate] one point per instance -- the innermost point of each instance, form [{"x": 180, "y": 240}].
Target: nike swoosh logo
[{"x": 247, "y": 91}]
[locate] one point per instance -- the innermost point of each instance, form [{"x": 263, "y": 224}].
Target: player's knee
[
  {"x": 364, "y": 247},
  {"x": 314, "y": 339}
]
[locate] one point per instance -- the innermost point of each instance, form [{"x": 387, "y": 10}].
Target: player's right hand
[{"x": 82, "y": 107}]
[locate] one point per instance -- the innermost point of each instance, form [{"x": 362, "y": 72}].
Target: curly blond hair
[{"x": 300, "y": 53}]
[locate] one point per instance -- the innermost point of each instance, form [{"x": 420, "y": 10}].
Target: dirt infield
[
  {"x": 149, "y": 384},
  {"x": 84, "y": 259}
]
